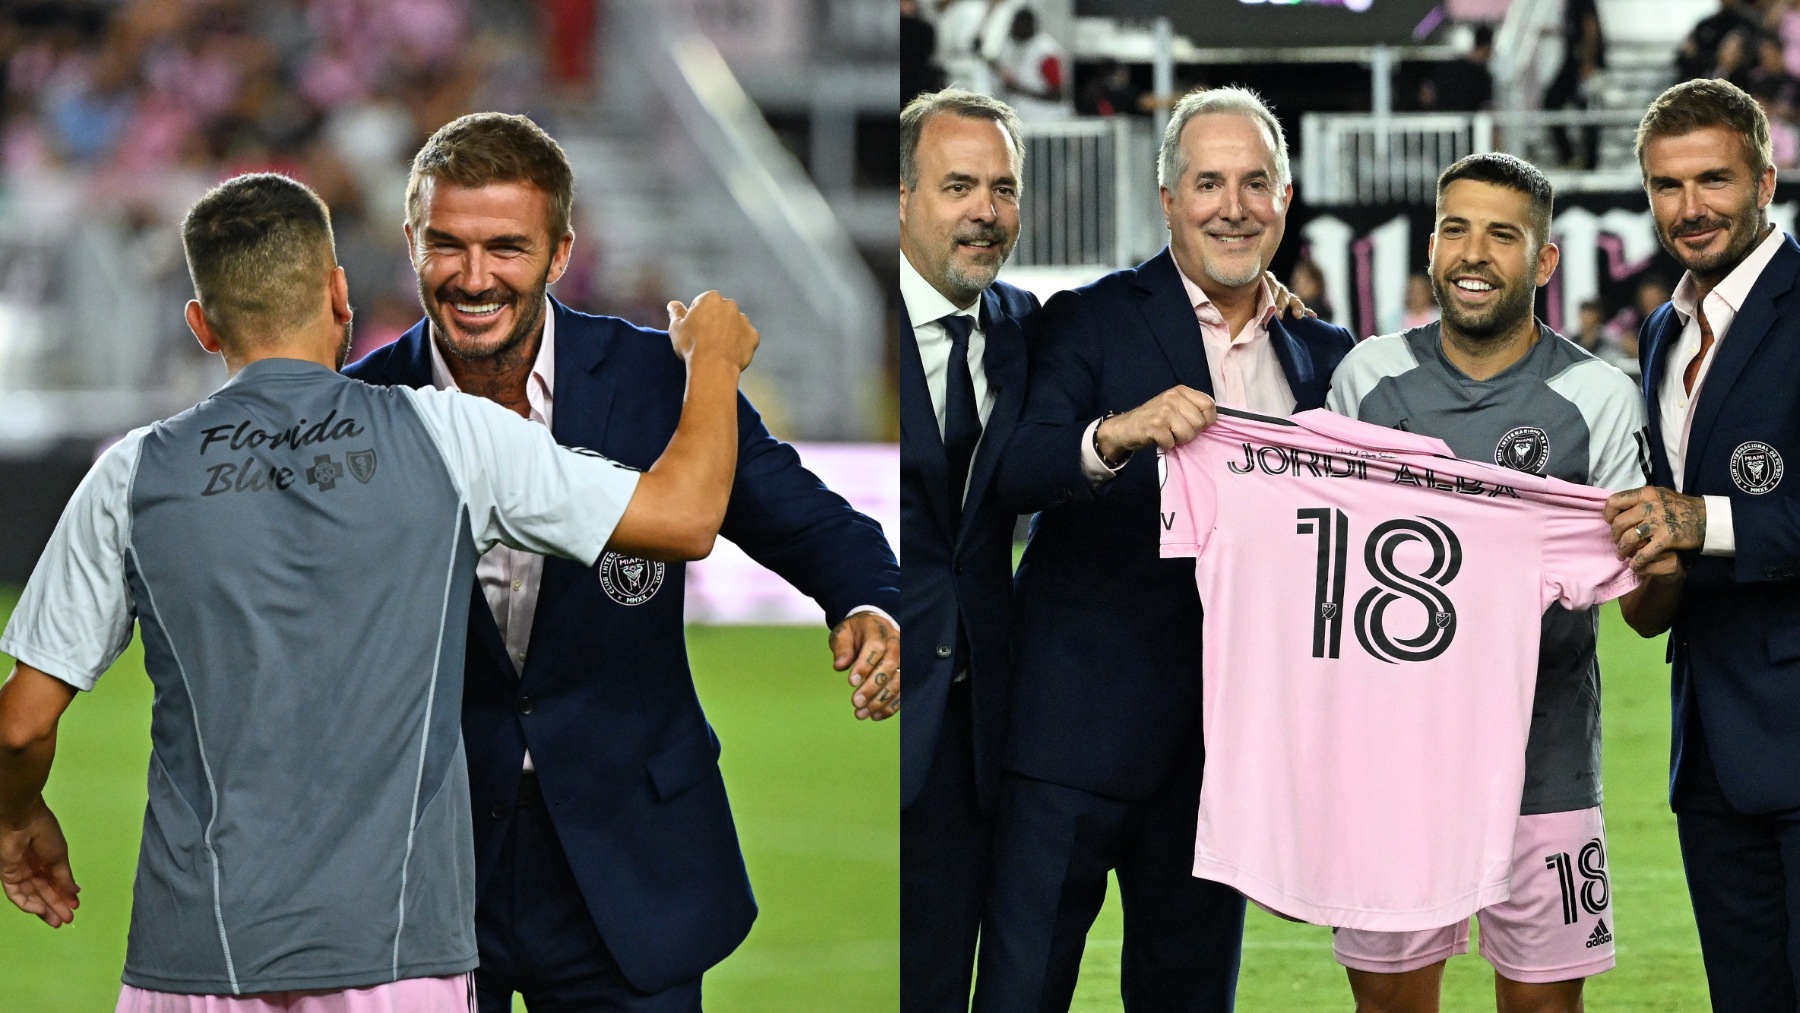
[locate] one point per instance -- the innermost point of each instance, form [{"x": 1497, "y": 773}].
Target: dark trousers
[
  {"x": 1053, "y": 848},
  {"x": 1743, "y": 876},
  {"x": 537, "y": 938},
  {"x": 944, "y": 844}
]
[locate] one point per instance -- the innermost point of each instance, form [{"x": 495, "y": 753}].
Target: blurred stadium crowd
[{"x": 127, "y": 110}]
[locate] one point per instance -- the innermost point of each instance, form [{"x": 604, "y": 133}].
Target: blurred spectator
[
  {"x": 1421, "y": 306},
  {"x": 1463, "y": 85},
  {"x": 919, "y": 71},
  {"x": 1578, "y": 80},
  {"x": 1736, "y": 57},
  {"x": 1699, "y": 53},
  {"x": 1110, "y": 91},
  {"x": 1768, "y": 78},
  {"x": 1307, "y": 282},
  {"x": 1033, "y": 70},
  {"x": 569, "y": 30},
  {"x": 1652, "y": 292},
  {"x": 1590, "y": 326},
  {"x": 1784, "y": 135},
  {"x": 973, "y": 28}
]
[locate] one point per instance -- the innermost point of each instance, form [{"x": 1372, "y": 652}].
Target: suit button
[
  {"x": 525, "y": 705},
  {"x": 498, "y": 812},
  {"x": 957, "y": 569},
  {"x": 945, "y": 650}
]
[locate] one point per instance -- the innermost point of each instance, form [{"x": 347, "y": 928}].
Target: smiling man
[
  {"x": 1720, "y": 532},
  {"x": 962, "y": 381},
  {"x": 1103, "y": 761},
  {"x": 608, "y": 869},
  {"x": 1496, "y": 385}
]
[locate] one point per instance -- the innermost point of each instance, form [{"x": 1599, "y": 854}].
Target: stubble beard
[
  {"x": 508, "y": 353},
  {"x": 1746, "y": 227},
  {"x": 1513, "y": 306}
]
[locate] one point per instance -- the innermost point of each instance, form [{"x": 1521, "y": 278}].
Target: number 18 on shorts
[{"x": 1557, "y": 925}]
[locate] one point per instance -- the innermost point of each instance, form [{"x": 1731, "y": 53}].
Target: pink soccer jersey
[{"x": 1371, "y": 636}]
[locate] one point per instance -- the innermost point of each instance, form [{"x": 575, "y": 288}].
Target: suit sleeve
[
  {"x": 783, "y": 517},
  {"x": 1041, "y": 467}
]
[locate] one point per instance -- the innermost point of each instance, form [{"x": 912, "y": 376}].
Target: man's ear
[
  {"x": 339, "y": 287},
  {"x": 203, "y": 332}
]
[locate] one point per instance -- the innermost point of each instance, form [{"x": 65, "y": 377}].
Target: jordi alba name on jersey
[{"x": 1372, "y": 617}]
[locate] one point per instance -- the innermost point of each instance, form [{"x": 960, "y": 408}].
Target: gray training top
[
  {"x": 1560, "y": 412},
  {"x": 298, "y": 550}
]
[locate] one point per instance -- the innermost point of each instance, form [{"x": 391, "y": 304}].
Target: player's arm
[
  {"x": 523, "y": 490},
  {"x": 679, "y": 504},
  {"x": 34, "y": 857}
]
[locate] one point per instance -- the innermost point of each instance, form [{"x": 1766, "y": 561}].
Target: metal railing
[
  {"x": 777, "y": 240},
  {"x": 1089, "y": 194},
  {"x": 1362, "y": 158}
]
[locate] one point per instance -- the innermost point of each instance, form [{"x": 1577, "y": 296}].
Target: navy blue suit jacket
[
  {"x": 1735, "y": 644},
  {"x": 1107, "y": 634},
  {"x": 606, "y": 702},
  {"x": 962, "y": 567}
]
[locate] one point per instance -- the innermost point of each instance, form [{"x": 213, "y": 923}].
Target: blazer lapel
[
  {"x": 918, "y": 426},
  {"x": 1003, "y": 363},
  {"x": 1748, "y": 329},
  {"x": 584, "y": 392},
  {"x": 1166, "y": 310}
]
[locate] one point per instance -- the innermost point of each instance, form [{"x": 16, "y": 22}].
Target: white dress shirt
[
  {"x": 1246, "y": 373},
  {"x": 925, "y": 306},
  {"x": 510, "y": 577},
  {"x": 1675, "y": 406}
]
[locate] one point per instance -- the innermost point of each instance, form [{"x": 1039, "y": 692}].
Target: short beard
[
  {"x": 508, "y": 352},
  {"x": 343, "y": 351},
  {"x": 1250, "y": 275},
  {"x": 1479, "y": 325},
  {"x": 1714, "y": 268}
]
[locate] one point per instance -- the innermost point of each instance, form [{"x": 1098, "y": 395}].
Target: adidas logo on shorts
[{"x": 1600, "y": 936}]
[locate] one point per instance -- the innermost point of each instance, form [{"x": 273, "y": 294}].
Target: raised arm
[{"x": 679, "y": 504}]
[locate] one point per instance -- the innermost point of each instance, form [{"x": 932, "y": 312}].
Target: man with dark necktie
[{"x": 962, "y": 384}]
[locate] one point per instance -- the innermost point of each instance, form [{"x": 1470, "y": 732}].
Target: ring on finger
[{"x": 1643, "y": 531}]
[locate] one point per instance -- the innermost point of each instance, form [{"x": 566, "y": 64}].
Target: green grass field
[
  {"x": 1289, "y": 968},
  {"x": 812, "y": 790}
]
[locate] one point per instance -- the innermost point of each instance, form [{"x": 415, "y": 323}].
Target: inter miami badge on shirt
[
  {"x": 629, "y": 580},
  {"x": 1755, "y": 467},
  {"x": 1526, "y": 448}
]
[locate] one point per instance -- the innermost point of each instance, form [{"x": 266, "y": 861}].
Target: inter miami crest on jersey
[
  {"x": 1755, "y": 467},
  {"x": 1526, "y": 448}
]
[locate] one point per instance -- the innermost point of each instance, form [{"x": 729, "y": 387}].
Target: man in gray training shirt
[
  {"x": 297, "y": 551},
  {"x": 1496, "y": 386}
]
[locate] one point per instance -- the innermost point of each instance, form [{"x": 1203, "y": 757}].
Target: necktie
[
  {"x": 1706, "y": 342},
  {"x": 962, "y": 424}
]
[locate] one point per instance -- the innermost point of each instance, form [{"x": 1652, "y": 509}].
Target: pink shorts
[
  {"x": 454, "y": 994},
  {"x": 1557, "y": 925}
]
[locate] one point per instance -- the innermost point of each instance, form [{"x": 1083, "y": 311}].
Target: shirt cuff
[
  {"x": 877, "y": 611},
  {"x": 1097, "y": 471},
  {"x": 1720, "y": 539}
]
